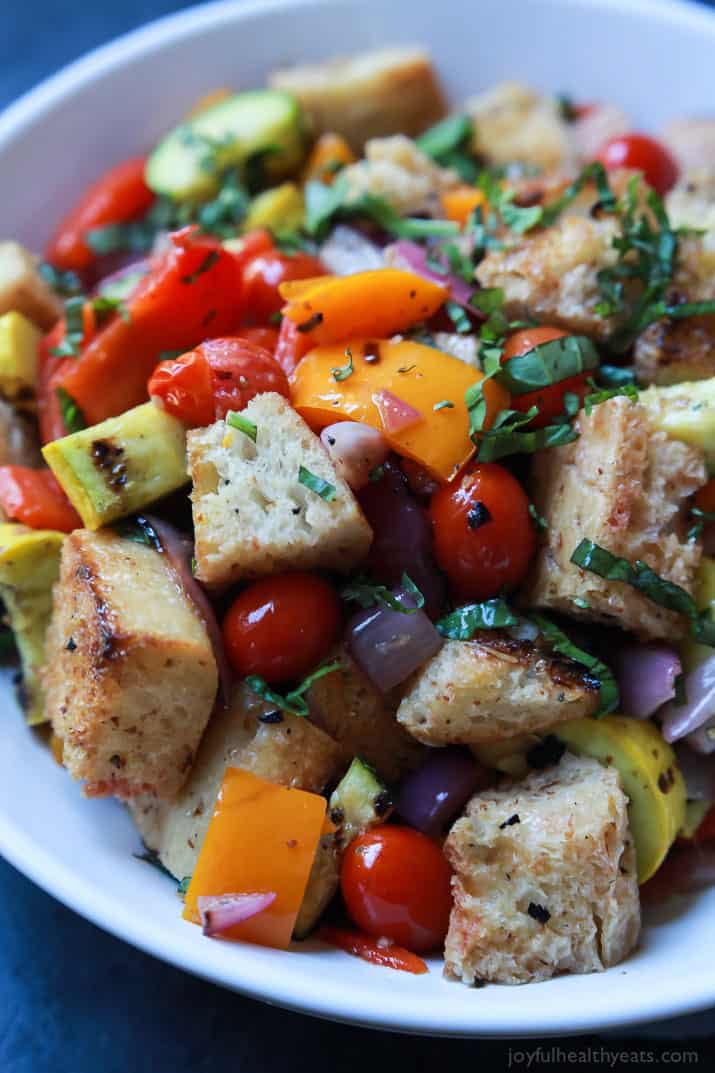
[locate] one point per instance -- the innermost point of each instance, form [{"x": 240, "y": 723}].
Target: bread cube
[
  {"x": 347, "y": 706},
  {"x": 692, "y": 142},
  {"x": 368, "y": 95},
  {"x": 291, "y": 752},
  {"x": 252, "y": 514},
  {"x": 492, "y": 688},
  {"x": 131, "y": 677},
  {"x": 396, "y": 170},
  {"x": 625, "y": 486},
  {"x": 23, "y": 290},
  {"x": 545, "y": 878},
  {"x": 514, "y": 123},
  {"x": 552, "y": 275}
]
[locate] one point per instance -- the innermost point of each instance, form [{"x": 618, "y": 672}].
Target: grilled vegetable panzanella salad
[{"x": 367, "y": 555}]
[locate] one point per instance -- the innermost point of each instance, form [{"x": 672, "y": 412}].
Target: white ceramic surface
[{"x": 654, "y": 57}]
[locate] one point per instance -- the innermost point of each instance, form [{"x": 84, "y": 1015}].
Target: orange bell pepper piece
[
  {"x": 460, "y": 203},
  {"x": 261, "y": 837},
  {"x": 329, "y": 154},
  {"x": 419, "y": 376},
  {"x": 379, "y": 303}
]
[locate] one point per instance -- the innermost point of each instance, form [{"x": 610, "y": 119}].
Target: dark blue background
[{"x": 74, "y": 1000}]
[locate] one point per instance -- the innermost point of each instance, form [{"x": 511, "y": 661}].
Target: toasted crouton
[
  {"x": 252, "y": 514},
  {"x": 513, "y": 123},
  {"x": 552, "y": 275},
  {"x": 370, "y": 95},
  {"x": 491, "y": 688},
  {"x": 545, "y": 878},
  {"x": 131, "y": 677},
  {"x": 622, "y": 485},
  {"x": 398, "y": 171},
  {"x": 292, "y": 752},
  {"x": 347, "y": 706},
  {"x": 23, "y": 290},
  {"x": 692, "y": 141}
]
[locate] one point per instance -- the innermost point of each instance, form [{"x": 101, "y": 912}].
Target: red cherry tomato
[
  {"x": 376, "y": 951},
  {"x": 264, "y": 274},
  {"x": 282, "y": 626},
  {"x": 549, "y": 401},
  {"x": 292, "y": 345},
  {"x": 396, "y": 882},
  {"x": 265, "y": 337},
  {"x": 33, "y": 497},
  {"x": 116, "y": 197},
  {"x": 483, "y": 535},
  {"x": 220, "y": 375},
  {"x": 641, "y": 153}
]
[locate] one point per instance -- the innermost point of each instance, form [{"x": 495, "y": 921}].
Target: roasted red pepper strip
[
  {"x": 193, "y": 292},
  {"x": 33, "y": 497},
  {"x": 292, "y": 345},
  {"x": 116, "y": 197},
  {"x": 376, "y": 951}
]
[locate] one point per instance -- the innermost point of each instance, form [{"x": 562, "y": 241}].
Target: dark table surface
[{"x": 75, "y": 1000}]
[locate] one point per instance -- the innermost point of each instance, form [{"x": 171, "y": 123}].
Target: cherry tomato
[
  {"x": 282, "y": 626},
  {"x": 396, "y": 882},
  {"x": 264, "y": 274},
  {"x": 265, "y": 337},
  {"x": 292, "y": 345},
  {"x": 33, "y": 497},
  {"x": 483, "y": 535},
  {"x": 116, "y": 197},
  {"x": 202, "y": 385},
  {"x": 641, "y": 153},
  {"x": 549, "y": 401}
]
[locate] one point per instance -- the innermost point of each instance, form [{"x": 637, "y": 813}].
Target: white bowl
[{"x": 656, "y": 59}]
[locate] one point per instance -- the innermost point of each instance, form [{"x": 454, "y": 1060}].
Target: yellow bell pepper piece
[
  {"x": 261, "y": 837},
  {"x": 279, "y": 209},
  {"x": 377, "y": 303},
  {"x": 418, "y": 375},
  {"x": 685, "y": 412},
  {"x": 328, "y": 155},
  {"x": 460, "y": 203},
  {"x": 19, "y": 339},
  {"x": 650, "y": 776}
]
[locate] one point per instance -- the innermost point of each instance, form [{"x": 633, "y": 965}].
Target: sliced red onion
[
  {"x": 355, "y": 449},
  {"x": 703, "y": 739},
  {"x": 680, "y": 720},
  {"x": 698, "y": 772},
  {"x": 391, "y": 645},
  {"x": 179, "y": 551},
  {"x": 402, "y": 540},
  {"x": 221, "y": 912},
  {"x": 646, "y": 677},
  {"x": 686, "y": 870},
  {"x": 431, "y": 797},
  {"x": 410, "y": 255},
  {"x": 347, "y": 251},
  {"x": 396, "y": 414}
]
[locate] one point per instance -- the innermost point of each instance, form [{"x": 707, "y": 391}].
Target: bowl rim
[{"x": 53, "y": 873}]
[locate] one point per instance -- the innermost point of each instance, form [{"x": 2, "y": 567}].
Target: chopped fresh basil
[
  {"x": 293, "y": 702},
  {"x": 138, "y": 236},
  {"x": 702, "y": 516},
  {"x": 596, "y": 397},
  {"x": 104, "y": 305},
  {"x": 324, "y": 205},
  {"x": 66, "y": 284},
  {"x": 223, "y": 214},
  {"x": 74, "y": 329},
  {"x": 150, "y": 856},
  {"x": 540, "y": 523},
  {"x": 367, "y": 594},
  {"x": 459, "y": 318},
  {"x": 567, "y": 108},
  {"x": 507, "y": 436},
  {"x": 208, "y": 262},
  {"x": 183, "y": 886},
  {"x": 615, "y": 375},
  {"x": 488, "y": 300},
  {"x": 342, "y": 372},
  {"x": 501, "y": 202},
  {"x": 120, "y": 289},
  {"x": 608, "y": 687},
  {"x": 72, "y": 417},
  {"x": 594, "y": 172},
  {"x": 462, "y": 624},
  {"x": 448, "y": 144},
  {"x": 324, "y": 489},
  {"x": 445, "y": 404},
  {"x": 548, "y": 363},
  {"x": 243, "y": 425},
  {"x": 590, "y": 556}
]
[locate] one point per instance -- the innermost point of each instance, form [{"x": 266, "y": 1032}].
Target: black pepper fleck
[
  {"x": 539, "y": 912},
  {"x": 71, "y": 645},
  {"x": 510, "y": 822},
  {"x": 478, "y": 515},
  {"x": 274, "y": 716}
]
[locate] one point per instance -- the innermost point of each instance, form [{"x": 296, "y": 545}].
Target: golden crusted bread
[
  {"x": 396, "y": 170},
  {"x": 23, "y": 290},
  {"x": 292, "y": 752},
  {"x": 252, "y": 516},
  {"x": 368, "y": 95},
  {"x": 514, "y": 123},
  {"x": 545, "y": 878},
  {"x": 551, "y": 276},
  {"x": 131, "y": 677},
  {"x": 624, "y": 486},
  {"x": 491, "y": 688},
  {"x": 347, "y": 706}
]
